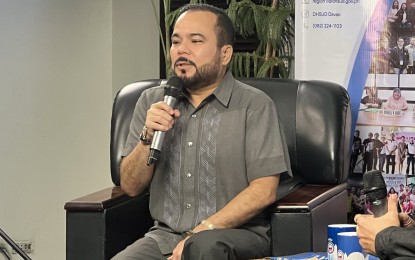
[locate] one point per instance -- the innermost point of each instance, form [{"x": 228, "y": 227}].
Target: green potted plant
[{"x": 271, "y": 22}]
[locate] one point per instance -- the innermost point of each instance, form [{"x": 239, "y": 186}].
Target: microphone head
[
  {"x": 176, "y": 82},
  {"x": 374, "y": 185},
  {"x": 174, "y": 87}
]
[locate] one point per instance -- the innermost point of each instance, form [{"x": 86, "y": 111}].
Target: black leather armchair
[{"x": 316, "y": 118}]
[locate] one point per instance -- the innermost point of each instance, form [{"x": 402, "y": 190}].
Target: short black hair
[{"x": 225, "y": 31}]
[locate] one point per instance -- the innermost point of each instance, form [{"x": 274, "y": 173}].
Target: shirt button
[
  {"x": 188, "y": 206},
  {"x": 189, "y": 175},
  {"x": 190, "y": 144},
  {"x": 194, "y": 115}
]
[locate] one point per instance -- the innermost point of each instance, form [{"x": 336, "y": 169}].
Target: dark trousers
[
  {"x": 410, "y": 161},
  {"x": 375, "y": 158},
  {"x": 226, "y": 244},
  {"x": 208, "y": 245},
  {"x": 382, "y": 159},
  {"x": 145, "y": 248},
  {"x": 390, "y": 160}
]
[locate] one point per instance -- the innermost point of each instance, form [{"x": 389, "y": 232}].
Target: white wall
[
  {"x": 135, "y": 42},
  {"x": 56, "y": 83}
]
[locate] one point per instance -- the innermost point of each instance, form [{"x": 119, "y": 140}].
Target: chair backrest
[
  {"x": 316, "y": 118},
  {"x": 122, "y": 113}
]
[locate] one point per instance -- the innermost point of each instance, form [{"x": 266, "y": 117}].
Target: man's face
[
  {"x": 194, "y": 53},
  {"x": 400, "y": 43},
  {"x": 356, "y": 133},
  {"x": 370, "y": 135},
  {"x": 376, "y": 136},
  {"x": 412, "y": 41}
]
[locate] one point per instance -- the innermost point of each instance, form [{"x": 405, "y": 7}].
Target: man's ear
[{"x": 226, "y": 54}]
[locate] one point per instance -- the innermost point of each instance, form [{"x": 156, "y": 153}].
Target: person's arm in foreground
[
  {"x": 395, "y": 242},
  {"x": 383, "y": 236}
]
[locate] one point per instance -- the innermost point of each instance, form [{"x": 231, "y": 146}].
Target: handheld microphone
[
  {"x": 374, "y": 187},
  {"x": 172, "y": 92}
]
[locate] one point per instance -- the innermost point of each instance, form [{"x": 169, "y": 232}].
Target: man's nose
[{"x": 183, "y": 48}]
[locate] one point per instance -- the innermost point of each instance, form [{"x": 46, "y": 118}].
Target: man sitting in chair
[{"x": 222, "y": 155}]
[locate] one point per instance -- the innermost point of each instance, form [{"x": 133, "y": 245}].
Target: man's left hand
[
  {"x": 368, "y": 226},
  {"x": 177, "y": 252}
]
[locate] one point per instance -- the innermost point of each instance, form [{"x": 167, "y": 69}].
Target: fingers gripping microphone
[
  {"x": 172, "y": 92},
  {"x": 375, "y": 189}
]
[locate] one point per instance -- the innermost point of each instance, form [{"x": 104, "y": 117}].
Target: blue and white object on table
[
  {"x": 348, "y": 247},
  {"x": 332, "y": 231}
]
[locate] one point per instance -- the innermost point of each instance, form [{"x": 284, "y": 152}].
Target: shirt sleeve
[
  {"x": 147, "y": 98},
  {"x": 379, "y": 101},
  {"x": 395, "y": 242},
  {"x": 363, "y": 101},
  {"x": 404, "y": 103},
  {"x": 266, "y": 148}
]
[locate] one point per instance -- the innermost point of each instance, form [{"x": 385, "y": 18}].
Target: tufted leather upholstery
[{"x": 316, "y": 118}]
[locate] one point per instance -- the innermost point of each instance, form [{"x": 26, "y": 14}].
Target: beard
[{"x": 205, "y": 75}]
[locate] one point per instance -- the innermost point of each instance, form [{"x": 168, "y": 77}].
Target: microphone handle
[
  {"x": 379, "y": 207},
  {"x": 158, "y": 138}
]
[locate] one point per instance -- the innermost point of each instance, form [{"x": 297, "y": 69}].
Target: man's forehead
[
  {"x": 203, "y": 16},
  {"x": 194, "y": 23}
]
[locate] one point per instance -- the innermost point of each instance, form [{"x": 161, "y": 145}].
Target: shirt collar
[{"x": 223, "y": 92}]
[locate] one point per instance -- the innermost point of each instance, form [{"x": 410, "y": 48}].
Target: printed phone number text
[{"x": 327, "y": 25}]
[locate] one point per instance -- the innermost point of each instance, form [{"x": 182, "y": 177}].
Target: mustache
[{"x": 183, "y": 59}]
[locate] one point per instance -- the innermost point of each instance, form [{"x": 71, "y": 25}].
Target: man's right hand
[
  {"x": 135, "y": 174},
  {"x": 160, "y": 117}
]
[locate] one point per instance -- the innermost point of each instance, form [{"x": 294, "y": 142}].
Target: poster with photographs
[
  {"x": 369, "y": 48},
  {"x": 397, "y": 184},
  {"x": 385, "y": 127}
]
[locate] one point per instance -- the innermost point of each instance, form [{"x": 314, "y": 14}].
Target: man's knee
[
  {"x": 206, "y": 244},
  {"x": 144, "y": 248}
]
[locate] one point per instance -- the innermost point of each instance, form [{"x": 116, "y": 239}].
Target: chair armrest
[
  {"x": 101, "y": 224},
  {"x": 97, "y": 201},
  {"x": 299, "y": 220},
  {"x": 308, "y": 197}
]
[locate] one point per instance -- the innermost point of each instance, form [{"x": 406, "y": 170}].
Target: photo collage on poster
[{"x": 384, "y": 137}]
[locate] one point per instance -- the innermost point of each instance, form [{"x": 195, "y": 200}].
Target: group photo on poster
[{"x": 384, "y": 137}]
